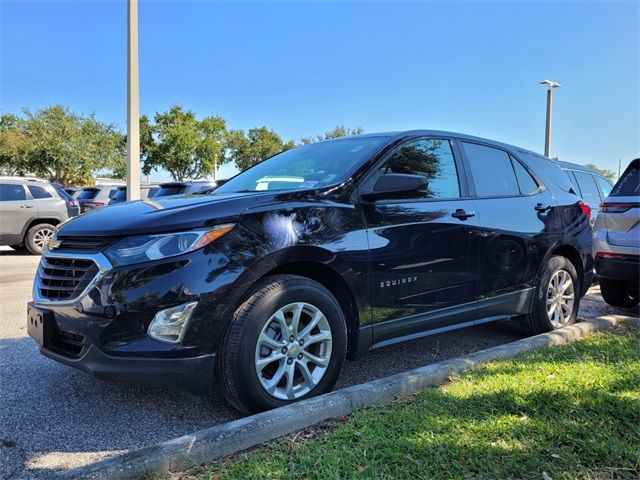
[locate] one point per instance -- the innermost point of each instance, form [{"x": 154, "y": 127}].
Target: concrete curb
[{"x": 206, "y": 446}]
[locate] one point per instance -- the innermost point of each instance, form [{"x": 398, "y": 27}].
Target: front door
[
  {"x": 421, "y": 263},
  {"x": 15, "y": 212}
]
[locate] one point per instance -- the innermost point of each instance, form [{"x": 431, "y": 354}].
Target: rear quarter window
[
  {"x": 628, "y": 185},
  {"x": 548, "y": 171},
  {"x": 39, "y": 192},
  {"x": 88, "y": 194}
]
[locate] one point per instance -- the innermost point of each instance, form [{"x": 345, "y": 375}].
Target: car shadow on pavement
[
  {"x": 53, "y": 418},
  {"x": 50, "y": 413}
]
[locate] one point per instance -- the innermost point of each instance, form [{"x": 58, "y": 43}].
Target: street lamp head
[{"x": 550, "y": 83}]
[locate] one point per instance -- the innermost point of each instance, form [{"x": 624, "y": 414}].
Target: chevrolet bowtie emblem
[{"x": 53, "y": 244}]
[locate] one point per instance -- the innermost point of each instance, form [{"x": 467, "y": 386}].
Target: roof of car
[
  {"x": 18, "y": 179},
  {"x": 186, "y": 183},
  {"x": 575, "y": 166},
  {"x": 440, "y": 133}
]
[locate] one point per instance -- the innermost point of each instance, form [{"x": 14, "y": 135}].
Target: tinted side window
[
  {"x": 39, "y": 192},
  {"x": 548, "y": 170},
  {"x": 526, "y": 182},
  {"x": 430, "y": 158},
  {"x": 492, "y": 171},
  {"x": 628, "y": 185},
  {"x": 11, "y": 192},
  {"x": 588, "y": 187},
  {"x": 88, "y": 194},
  {"x": 604, "y": 185}
]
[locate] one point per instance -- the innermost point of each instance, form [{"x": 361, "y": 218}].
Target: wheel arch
[
  {"x": 319, "y": 265},
  {"x": 572, "y": 254},
  {"x": 37, "y": 221},
  {"x": 338, "y": 287}
]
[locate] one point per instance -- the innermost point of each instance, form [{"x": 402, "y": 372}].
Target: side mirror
[{"x": 397, "y": 185}]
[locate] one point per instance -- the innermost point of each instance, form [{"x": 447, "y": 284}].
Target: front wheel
[
  {"x": 38, "y": 236},
  {"x": 618, "y": 293},
  {"x": 286, "y": 342},
  {"x": 557, "y": 297}
]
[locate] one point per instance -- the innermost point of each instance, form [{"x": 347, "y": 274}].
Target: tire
[
  {"x": 38, "y": 236},
  {"x": 618, "y": 293},
  {"x": 255, "y": 356},
  {"x": 18, "y": 248},
  {"x": 543, "y": 317}
]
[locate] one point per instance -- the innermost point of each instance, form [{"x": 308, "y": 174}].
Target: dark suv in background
[
  {"x": 30, "y": 209},
  {"x": 188, "y": 186},
  {"x": 262, "y": 293},
  {"x": 98, "y": 196}
]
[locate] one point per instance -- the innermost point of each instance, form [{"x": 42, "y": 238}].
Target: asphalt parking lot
[{"x": 54, "y": 418}]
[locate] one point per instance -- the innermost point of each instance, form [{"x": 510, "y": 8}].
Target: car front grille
[
  {"x": 84, "y": 244},
  {"x": 61, "y": 279}
]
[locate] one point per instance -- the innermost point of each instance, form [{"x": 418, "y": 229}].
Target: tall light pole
[
  {"x": 133, "y": 104},
  {"x": 547, "y": 132}
]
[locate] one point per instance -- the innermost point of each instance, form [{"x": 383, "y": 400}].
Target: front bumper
[
  {"x": 103, "y": 329},
  {"x": 191, "y": 374}
]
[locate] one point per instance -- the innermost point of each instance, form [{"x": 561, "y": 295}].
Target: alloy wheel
[
  {"x": 42, "y": 237},
  {"x": 560, "y": 298},
  {"x": 293, "y": 351}
]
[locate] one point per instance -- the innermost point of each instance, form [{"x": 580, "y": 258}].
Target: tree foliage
[
  {"x": 610, "y": 174},
  {"x": 68, "y": 148},
  {"x": 247, "y": 149},
  {"x": 338, "y": 131},
  {"x": 59, "y": 145},
  {"x": 181, "y": 144}
]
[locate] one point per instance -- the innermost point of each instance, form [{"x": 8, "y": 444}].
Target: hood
[{"x": 165, "y": 214}]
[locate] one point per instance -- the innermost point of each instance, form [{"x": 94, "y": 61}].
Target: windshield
[
  {"x": 120, "y": 195},
  {"x": 308, "y": 166},
  {"x": 88, "y": 194},
  {"x": 166, "y": 191}
]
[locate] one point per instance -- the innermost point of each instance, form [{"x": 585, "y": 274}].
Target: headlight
[{"x": 154, "y": 247}]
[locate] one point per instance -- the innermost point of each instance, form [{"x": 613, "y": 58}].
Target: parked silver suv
[
  {"x": 30, "y": 209},
  {"x": 616, "y": 240}
]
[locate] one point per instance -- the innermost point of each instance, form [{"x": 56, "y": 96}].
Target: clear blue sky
[{"x": 301, "y": 68}]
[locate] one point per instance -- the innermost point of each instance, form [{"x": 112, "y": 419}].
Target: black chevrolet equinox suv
[{"x": 263, "y": 288}]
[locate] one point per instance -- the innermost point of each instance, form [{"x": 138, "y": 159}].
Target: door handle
[
  {"x": 541, "y": 208},
  {"x": 26, "y": 206},
  {"x": 461, "y": 214}
]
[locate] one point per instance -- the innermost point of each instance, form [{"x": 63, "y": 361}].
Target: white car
[{"x": 616, "y": 240}]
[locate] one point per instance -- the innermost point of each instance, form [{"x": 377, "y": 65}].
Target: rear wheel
[
  {"x": 286, "y": 342},
  {"x": 557, "y": 297},
  {"x": 38, "y": 236},
  {"x": 619, "y": 293}
]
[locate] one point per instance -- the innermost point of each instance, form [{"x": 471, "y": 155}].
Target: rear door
[
  {"x": 49, "y": 204},
  {"x": 17, "y": 209},
  {"x": 519, "y": 221}
]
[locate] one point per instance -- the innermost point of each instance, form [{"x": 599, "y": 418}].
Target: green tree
[
  {"x": 12, "y": 145},
  {"x": 610, "y": 174},
  {"x": 59, "y": 145},
  {"x": 181, "y": 144},
  {"x": 245, "y": 150},
  {"x": 338, "y": 131}
]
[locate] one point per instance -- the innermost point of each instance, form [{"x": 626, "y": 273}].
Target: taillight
[
  {"x": 95, "y": 204},
  {"x": 609, "y": 255},
  {"x": 73, "y": 203},
  {"x": 616, "y": 207},
  {"x": 586, "y": 209}
]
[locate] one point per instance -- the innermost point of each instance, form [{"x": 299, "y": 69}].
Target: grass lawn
[{"x": 559, "y": 413}]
